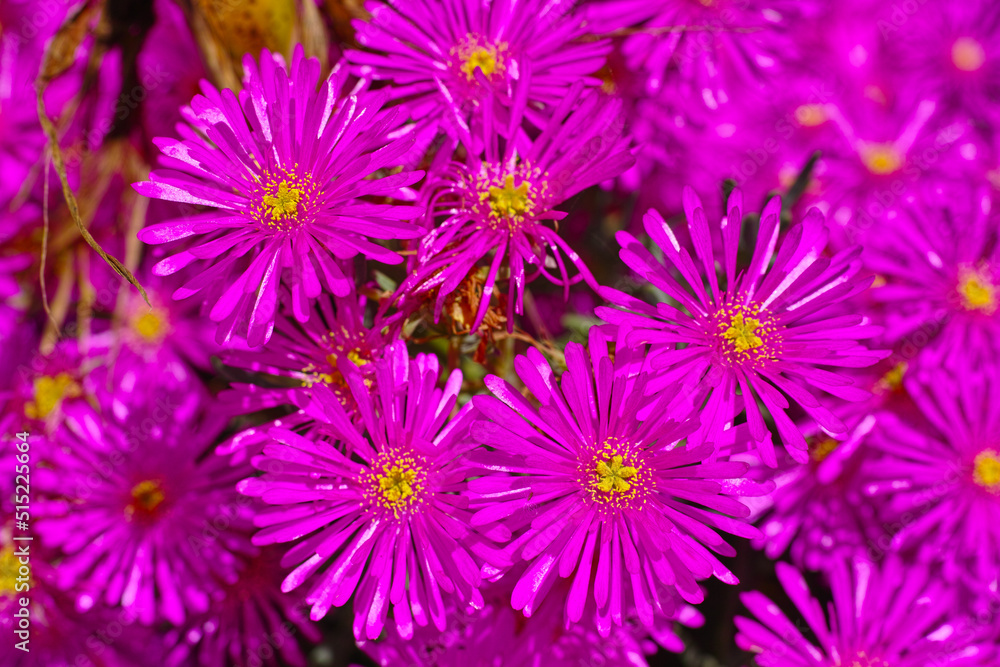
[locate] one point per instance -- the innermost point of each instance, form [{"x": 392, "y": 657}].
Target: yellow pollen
[
  {"x": 149, "y": 325},
  {"x": 508, "y": 201},
  {"x": 862, "y": 660},
  {"x": 286, "y": 203},
  {"x": 986, "y": 470},
  {"x": 881, "y": 159},
  {"x": 607, "y": 77},
  {"x": 355, "y": 356},
  {"x": 396, "y": 483},
  {"x": 613, "y": 475},
  {"x": 810, "y": 115},
  {"x": 8, "y": 571},
  {"x": 977, "y": 291},
  {"x": 893, "y": 379},
  {"x": 147, "y": 496},
  {"x": 967, "y": 54},
  {"x": 741, "y": 333},
  {"x": 49, "y": 392},
  {"x": 822, "y": 449},
  {"x": 482, "y": 58}
]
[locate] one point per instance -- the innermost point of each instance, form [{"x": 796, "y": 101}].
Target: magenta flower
[
  {"x": 500, "y": 201},
  {"x": 936, "y": 478},
  {"x": 388, "y": 524},
  {"x": 893, "y": 615},
  {"x": 767, "y": 332},
  {"x": 288, "y": 171},
  {"x": 459, "y": 64},
  {"x": 593, "y": 492},
  {"x": 42, "y": 391},
  {"x": 949, "y": 52},
  {"x": 939, "y": 269},
  {"x": 249, "y": 622},
  {"x": 162, "y": 330},
  {"x": 818, "y": 510},
  {"x": 707, "y": 45},
  {"x": 499, "y": 635},
  {"x": 307, "y": 354},
  {"x": 126, "y": 497},
  {"x": 59, "y": 635},
  {"x": 885, "y": 154}
]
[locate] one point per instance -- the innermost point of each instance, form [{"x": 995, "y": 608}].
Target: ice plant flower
[
  {"x": 287, "y": 169},
  {"x": 767, "y": 332},
  {"x": 939, "y": 277},
  {"x": 305, "y": 355},
  {"x": 888, "y": 615},
  {"x": 56, "y": 634},
  {"x": 949, "y": 52},
  {"x": 128, "y": 501},
  {"x": 817, "y": 510},
  {"x": 591, "y": 492},
  {"x": 42, "y": 391},
  {"x": 461, "y": 63},
  {"x": 884, "y": 154},
  {"x": 500, "y": 635},
  {"x": 388, "y": 524},
  {"x": 501, "y": 202},
  {"x": 709, "y": 44},
  {"x": 938, "y": 477},
  {"x": 250, "y": 622}
]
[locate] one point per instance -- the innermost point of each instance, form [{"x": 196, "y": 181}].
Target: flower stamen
[
  {"x": 741, "y": 333},
  {"x": 476, "y": 52},
  {"x": 881, "y": 159},
  {"x": 613, "y": 475},
  {"x": 147, "y": 495},
  {"x": 396, "y": 484},
  {"x": 49, "y": 393},
  {"x": 967, "y": 54},
  {"x": 508, "y": 201},
  {"x": 150, "y": 326},
  {"x": 977, "y": 291},
  {"x": 285, "y": 204},
  {"x": 986, "y": 470},
  {"x": 479, "y": 59}
]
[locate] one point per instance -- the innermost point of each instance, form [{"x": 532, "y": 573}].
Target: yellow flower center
[
  {"x": 747, "y": 335},
  {"x": 355, "y": 356},
  {"x": 810, "y": 115},
  {"x": 862, "y": 660},
  {"x": 508, "y": 201},
  {"x": 613, "y": 476},
  {"x": 967, "y": 54},
  {"x": 986, "y": 470},
  {"x": 285, "y": 204},
  {"x": 881, "y": 159},
  {"x": 821, "y": 449},
  {"x": 977, "y": 291},
  {"x": 479, "y": 59},
  {"x": 150, "y": 325},
  {"x": 476, "y": 52},
  {"x": 741, "y": 333},
  {"x": 396, "y": 483},
  {"x": 8, "y": 571},
  {"x": 146, "y": 497},
  {"x": 49, "y": 393}
]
